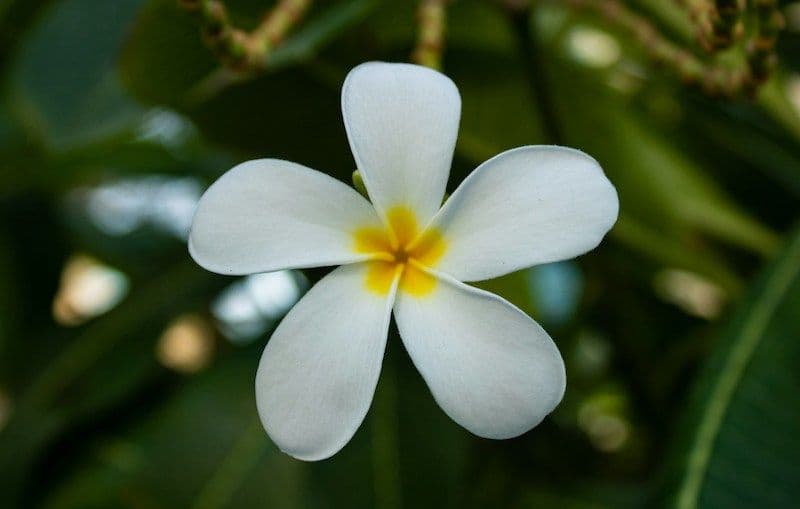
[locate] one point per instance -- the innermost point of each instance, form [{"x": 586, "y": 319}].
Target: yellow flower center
[{"x": 401, "y": 249}]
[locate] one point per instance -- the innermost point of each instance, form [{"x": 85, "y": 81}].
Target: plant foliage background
[{"x": 126, "y": 372}]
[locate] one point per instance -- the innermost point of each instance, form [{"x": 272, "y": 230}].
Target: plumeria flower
[{"x": 490, "y": 367}]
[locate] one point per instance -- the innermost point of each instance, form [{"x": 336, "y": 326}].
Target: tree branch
[{"x": 237, "y": 48}]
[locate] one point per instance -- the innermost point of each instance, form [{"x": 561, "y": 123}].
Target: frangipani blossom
[{"x": 490, "y": 367}]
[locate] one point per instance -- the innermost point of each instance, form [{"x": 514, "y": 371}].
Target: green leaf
[
  {"x": 583, "y": 496},
  {"x": 64, "y": 83},
  {"x": 15, "y": 18},
  {"x": 291, "y": 114},
  {"x": 203, "y": 447},
  {"x": 770, "y": 156},
  {"x": 312, "y": 36},
  {"x": 96, "y": 368},
  {"x": 657, "y": 182},
  {"x": 164, "y": 55},
  {"x": 197, "y": 451},
  {"x": 740, "y": 441},
  {"x": 166, "y": 44},
  {"x": 672, "y": 211}
]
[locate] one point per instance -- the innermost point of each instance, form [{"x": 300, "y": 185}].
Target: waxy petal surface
[
  {"x": 524, "y": 207},
  {"x": 268, "y": 214},
  {"x": 402, "y": 123},
  {"x": 490, "y": 367},
  {"x": 318, "y": 372}
]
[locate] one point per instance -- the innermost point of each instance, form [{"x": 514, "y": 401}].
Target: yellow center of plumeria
[{"x": 401, "y": 250}]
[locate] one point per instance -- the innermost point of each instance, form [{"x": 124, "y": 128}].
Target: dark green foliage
[{"x": 89, "y": 417}]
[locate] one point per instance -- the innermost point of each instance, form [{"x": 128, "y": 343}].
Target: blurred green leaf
[
  {"x": 15, "y": 17},
  {"x": 94, "y": 370},
  {"x": 7, "y": 283},
  {"x": 736, "y": 136},
  {"x": 162, "y": 36},
  {"x": 658, "y": 184},
  {"x": 293, "y": 114},
  {"x": 90, "y": 419},
  {"x": 204, "y": 447},
  {"x": 672, "y": 250},
  {"x": 312, "y": 35},
  {"x": 774, "y": 98},
  {"x": 661, "y": 189},
  {"x": 64, "y": 83},
  {"x": 668, "y": 204},
  {"x": 197, "y": 451},
  {"x": 91, "y": 164},
  {"x": 596, "y": 496},
  {"x": 496, "y": 115},
  {"x": 165, "y": 34},
  {"x": 740, "y": 444}
]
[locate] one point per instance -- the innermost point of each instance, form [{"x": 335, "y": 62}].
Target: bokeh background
[{"x": 126, "y": 372}]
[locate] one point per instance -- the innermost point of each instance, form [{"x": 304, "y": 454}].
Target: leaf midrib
[{"x": 751, "y": 334}]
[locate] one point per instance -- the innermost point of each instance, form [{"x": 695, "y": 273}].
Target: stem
[
  {"x": 239, "y": 49},
  {"x": 718, "y": 23},
  {"x": 713, "y": 77},
  {"x": 431, "y": 16},
  {"x": 761, "y": 47}
]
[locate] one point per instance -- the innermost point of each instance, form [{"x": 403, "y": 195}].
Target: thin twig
[
  {"x": 719, "y": 23},
  {"x": 431, "y": 16},
  {"x": 237, "y": 48},
  {"x": 712, "y": 76},
  {"x": 761, "y": 47}
]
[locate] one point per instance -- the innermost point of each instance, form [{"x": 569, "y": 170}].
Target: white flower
[{"x": 489, "y": 366}]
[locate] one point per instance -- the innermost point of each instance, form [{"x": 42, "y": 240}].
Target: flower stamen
[{"x": 402, "y": 251}]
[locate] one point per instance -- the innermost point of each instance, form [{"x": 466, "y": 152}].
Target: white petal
[
  {"x": 268, "y": 214},
  {"x": 523, "y": 207},
  {"x": 490, "y": 367},
  {"x": 318, "y": 373},
  {"x": 402, "y": 122}
]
